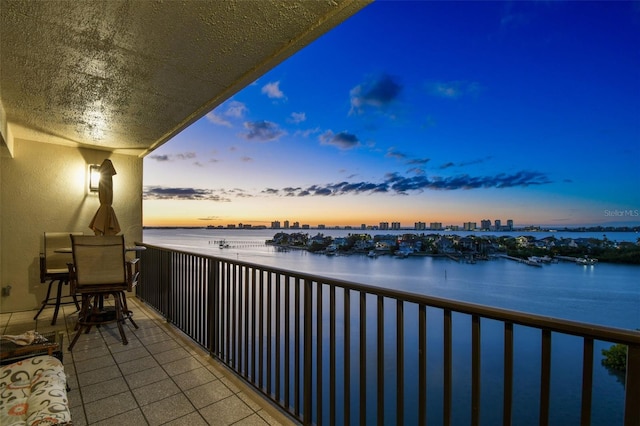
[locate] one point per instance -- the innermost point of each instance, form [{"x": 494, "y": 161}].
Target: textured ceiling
[{"x": 127, "y": 76}]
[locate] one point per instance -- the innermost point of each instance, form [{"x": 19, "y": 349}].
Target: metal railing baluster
[
  {"x": 380, "y": 361},
  {"x": 447, "y": 349},
  {"x": 422, "y": 365},
  {"x": 545, "y": 377},
  {"x": 363, "y": 358},
  {"x": 475, "y": 370},
  {"x": 347, "y": 357},
  {"x": 319, "y": 347},
  {"x": 332, "y": 355},
  {"x": 507, "y": 399},
  {"x": 587, "y": 381},
  {"x": 400, "y": 362}
]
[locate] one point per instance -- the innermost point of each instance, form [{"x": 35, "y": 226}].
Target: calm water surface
[{"x": 603, "y": 294}]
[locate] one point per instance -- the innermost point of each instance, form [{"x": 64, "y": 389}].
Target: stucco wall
[{"x": 43, "y": 188}]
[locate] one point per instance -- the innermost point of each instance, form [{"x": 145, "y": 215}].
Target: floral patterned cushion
[{"x": 33, "y": 392}]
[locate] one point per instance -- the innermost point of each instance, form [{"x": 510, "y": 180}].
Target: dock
[{"x": 525, "y": 261}]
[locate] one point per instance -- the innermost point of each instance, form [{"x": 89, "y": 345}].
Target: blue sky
[{"x": 425, "y": 111}]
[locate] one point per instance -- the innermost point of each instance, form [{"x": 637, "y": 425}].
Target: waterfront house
[
  {"x": 523, "y": 241},
  {"x": 444, "y": 244},
  {"x": 467, "y": 244}
]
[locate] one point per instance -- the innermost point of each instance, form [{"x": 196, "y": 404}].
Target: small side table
[{"x": 10, "y": 352}]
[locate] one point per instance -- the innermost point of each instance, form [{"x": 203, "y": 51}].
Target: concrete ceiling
[{"x": 126, "y": 76}]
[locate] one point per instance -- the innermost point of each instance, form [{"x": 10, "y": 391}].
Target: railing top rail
[{"x": 598, "y": 332}]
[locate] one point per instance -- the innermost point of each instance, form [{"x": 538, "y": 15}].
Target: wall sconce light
[{"x": 94, "y": 177}]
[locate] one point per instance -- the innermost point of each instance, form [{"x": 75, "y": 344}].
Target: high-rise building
[
  {"x": 497, "y": 224},
  {"x": 420, "y": 226},
  {"x": 275, "y": 224},
  {"x": 395, "y": 225},
  {"x": 286, "y": 224},
  {"x": 510, "y": 224},
  {"x": 296, "y": 225},
  {"x": 435, "y": 226},
  {"x": 485, "y": 224},
  {"x": 384, "y": 226},
  {"x": 320, "y": 226},
  {"x": 363, "y": 226},
  {"x": 469, "y": 226}
]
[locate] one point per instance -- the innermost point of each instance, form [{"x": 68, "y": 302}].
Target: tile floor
[{"x": 159, "y": 378}]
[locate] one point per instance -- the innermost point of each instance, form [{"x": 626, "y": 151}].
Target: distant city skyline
[{"x": 424, "y": 111}]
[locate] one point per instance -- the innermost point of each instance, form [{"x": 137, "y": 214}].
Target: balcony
[
  {"x": 228, "y": 342},
  {"x": 333, "y": 352}
]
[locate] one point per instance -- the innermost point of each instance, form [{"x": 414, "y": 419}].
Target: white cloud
[
  {"x": 297, "y": 117},
  {"x": 236, "y": 109},
  {"x": 454, "y": 89},
  {"x": 217, "y": 119},
  {"x": 272, "y": 90},
  {"x": 229, "y": 110}
]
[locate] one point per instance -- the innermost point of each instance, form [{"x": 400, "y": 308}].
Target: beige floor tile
[
  {"x": 94, "y": 363},
  {"x": 109, "y": 407},
  {"x": 226, "y": 412},
  {"x": 247, "y": 400},
  {"x": 138, "y": 365},
  {"x": 131, "y": 354},
  {"x": 180, "y": 366},
  {"x": 156, "y": 347},
  {"x": 203, "y": 395},
  {"x": 99, "y": 375},
  {"x": 88, "y": 347},
  {"x": 104, "y": 389},
  {"x": 193, "y": 378},
  {"x": 77, "y": 416},
  {"x": 143, "y": 378},
  {"x": 230, "y": 384},
  {"x": 118, "y": 347},
  {"x": 192, "y": 419},
  {"x": 267, "y": 417},
  {"x": 171, "y": 355},
  {"x": 167, "y": 409},
  {"x": 74, "y": 397},
  {"x": 129, "y": 418},
  {"x": 155, "y": 391},
  {"x": 252, "y": 420}
]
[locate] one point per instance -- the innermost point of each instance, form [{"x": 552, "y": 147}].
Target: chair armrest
[{"x": 133, "y": 272}]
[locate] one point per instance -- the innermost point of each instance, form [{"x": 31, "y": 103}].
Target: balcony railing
[{"x": 334, "y": 352}]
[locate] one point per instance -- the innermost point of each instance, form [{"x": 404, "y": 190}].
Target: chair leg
[
  {"x": 57, "y": 305},
  {"x": 75, "y": 300},
  {"x": 119, "y": 317},
  {"x": 46, "y": 299},
  {"x": 81, "y": 318},
  {"x": 125, "y": 309}
]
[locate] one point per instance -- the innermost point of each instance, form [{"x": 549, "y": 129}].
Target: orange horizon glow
[{"x": 341, "y": 222}]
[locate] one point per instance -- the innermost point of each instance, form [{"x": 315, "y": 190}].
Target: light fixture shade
[{"x": 94, "y": 177}]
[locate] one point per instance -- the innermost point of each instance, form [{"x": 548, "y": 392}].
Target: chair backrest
[
  {"x": 57, "y": 262},
  {"x": 99, "y": 261}
]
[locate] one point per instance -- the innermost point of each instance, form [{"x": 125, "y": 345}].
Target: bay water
[{"x": 603, "y": 294}]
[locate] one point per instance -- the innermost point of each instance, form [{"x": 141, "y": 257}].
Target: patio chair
[
  {"x": 100, "y": 270},
  {"x": 53, "y": 268}
]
